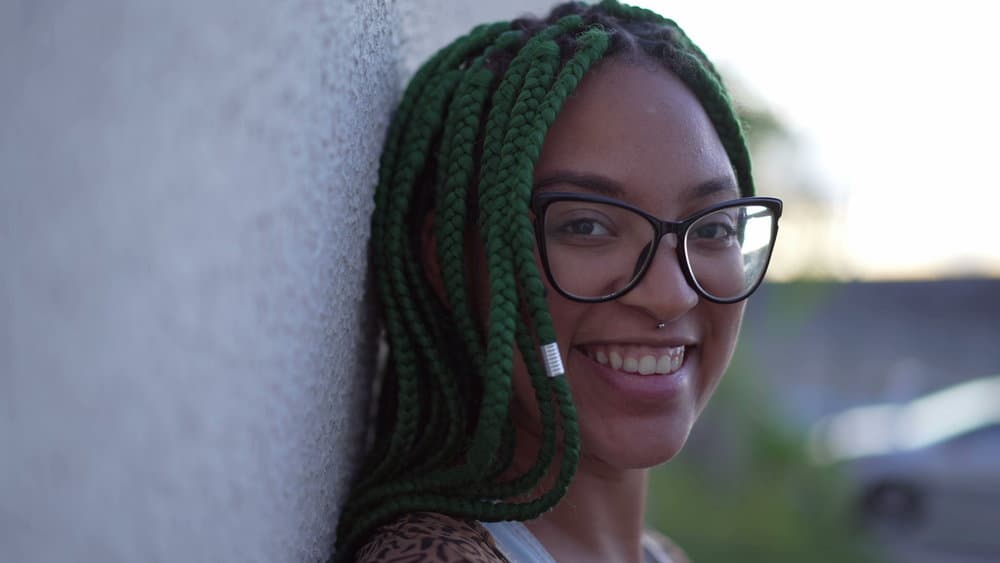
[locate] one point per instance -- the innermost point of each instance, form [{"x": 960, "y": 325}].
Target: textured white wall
[
  {"x": 184, "y": 198},
  {"x": 430, "y": 24}
]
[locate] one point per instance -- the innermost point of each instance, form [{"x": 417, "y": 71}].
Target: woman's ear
[{"x": 432, "y": 268}]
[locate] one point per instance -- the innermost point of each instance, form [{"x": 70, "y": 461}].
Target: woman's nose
[{"x": 663, "y": 290}]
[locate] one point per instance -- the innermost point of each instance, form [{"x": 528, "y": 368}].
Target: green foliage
[{"x": 770, "y": 508}]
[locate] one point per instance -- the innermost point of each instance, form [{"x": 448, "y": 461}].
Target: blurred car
[{"x": 927, "y": 471}]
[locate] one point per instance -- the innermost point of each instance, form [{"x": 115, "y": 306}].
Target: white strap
[{"x": 518, "y": 543}]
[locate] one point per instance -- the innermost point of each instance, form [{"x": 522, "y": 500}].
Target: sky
[{"x": 897, "y": 106}]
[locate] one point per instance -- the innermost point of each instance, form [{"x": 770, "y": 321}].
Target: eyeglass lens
[{"x": 597, "y": 250}]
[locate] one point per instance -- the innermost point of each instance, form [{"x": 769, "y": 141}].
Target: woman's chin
[{"x": 635, "y": 448}]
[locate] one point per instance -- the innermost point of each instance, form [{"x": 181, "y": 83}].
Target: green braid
[
  {"x": 593, "y": 43},
  {"x": 496, "y": 217},
  {"x": 402, "y": 485},
  {"x": 569, "y": 416},
  {"x": 463, "y": 145},
  {"x": 452, "y": 478},
  {"x": 393, "y": 457},
  {"x": 393, "y": 184},
  {"x": 508, "y": 114},
  {"x": 498, "y": 115},
  {"x": 459, "y": 139}
]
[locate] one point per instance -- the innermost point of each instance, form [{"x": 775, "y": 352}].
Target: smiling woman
[{"x": 565, "y": 231}]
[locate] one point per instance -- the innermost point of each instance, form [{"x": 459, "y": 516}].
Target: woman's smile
[
  {"x": 637, "y": 359},
  {"x": 626, "y": 385}
]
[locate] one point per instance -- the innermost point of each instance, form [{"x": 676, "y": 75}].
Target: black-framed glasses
[{"x": 595, "y": 248}]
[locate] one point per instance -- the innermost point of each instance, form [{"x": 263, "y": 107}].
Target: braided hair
[{"x": 462, "y": 146}]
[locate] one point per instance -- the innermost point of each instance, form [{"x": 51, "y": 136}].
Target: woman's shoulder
[{"x": 432, "y": 538}]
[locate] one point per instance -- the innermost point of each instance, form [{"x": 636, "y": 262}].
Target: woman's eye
[
  {"x": 719, "y": 232},
  {"x": 586, "y": 227}
]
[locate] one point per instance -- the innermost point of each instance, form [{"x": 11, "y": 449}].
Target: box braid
[{"x": 463, "y": 144}]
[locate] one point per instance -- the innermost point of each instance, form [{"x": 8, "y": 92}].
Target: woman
[{"x": 562, "y": 242}]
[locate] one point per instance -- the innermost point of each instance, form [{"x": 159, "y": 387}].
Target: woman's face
[{"x": 635, "y": 133}]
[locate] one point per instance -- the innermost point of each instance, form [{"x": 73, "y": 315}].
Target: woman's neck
[{"x": 601, "y": 518}]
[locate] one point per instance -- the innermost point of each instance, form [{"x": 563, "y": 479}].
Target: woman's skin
[
  {"x": 634, "y": 132},
  {"x": 631, "y": 131}
]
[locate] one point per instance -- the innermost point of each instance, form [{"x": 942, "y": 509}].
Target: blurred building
[{"x": 823, "y": 346}]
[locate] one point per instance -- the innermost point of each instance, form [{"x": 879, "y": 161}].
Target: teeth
[
  {"x": 638, "y": 359},
  {"x": 631, "y": 365},
  {"x": 616, "y": 360},
  {"x": 647, "y": 365},
  {"x": 665, "y": 365}
]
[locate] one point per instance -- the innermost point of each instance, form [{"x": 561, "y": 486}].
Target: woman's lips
[{"x": 653, "y": 389}]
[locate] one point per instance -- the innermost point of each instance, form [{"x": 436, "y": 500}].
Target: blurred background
[{"x": 861, "y": 418}]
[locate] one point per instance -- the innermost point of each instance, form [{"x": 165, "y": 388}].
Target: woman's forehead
[{"x": 641, "y": 129}]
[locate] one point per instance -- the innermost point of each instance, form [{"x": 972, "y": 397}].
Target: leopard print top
[{"x": 425, "y": 537}]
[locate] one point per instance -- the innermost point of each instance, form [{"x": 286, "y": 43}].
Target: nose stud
[{"x": 660, "y": 325}]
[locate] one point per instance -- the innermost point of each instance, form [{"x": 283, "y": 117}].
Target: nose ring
[{"x": 661, "y": 324}]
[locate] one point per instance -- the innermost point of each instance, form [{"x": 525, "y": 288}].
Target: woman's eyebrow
[
  {"x": 711, "y": 187},
  {"x": 610, "y": 188},
  {"x": 592, "y": 182}
]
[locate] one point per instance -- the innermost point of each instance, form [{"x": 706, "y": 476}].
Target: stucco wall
[{"x": 184, "y": 198}]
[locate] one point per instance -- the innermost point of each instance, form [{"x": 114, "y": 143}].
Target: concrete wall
[{"x": 184, "y": 198}]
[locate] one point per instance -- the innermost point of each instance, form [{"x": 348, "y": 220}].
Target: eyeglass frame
[{"x": 540, "y": 201}]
